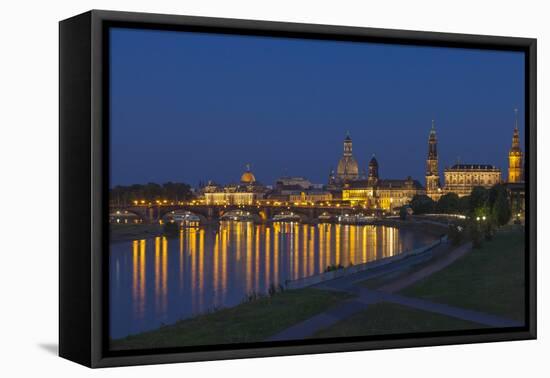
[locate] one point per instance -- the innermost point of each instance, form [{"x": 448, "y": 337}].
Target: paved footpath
[{"x": 366, "y": 297}]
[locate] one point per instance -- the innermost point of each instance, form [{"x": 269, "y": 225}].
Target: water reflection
[{"x": 158, "y": 281}]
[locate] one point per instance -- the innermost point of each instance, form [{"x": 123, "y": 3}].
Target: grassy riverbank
[
  {"x": 490, "y": 279},
  {"x": 249, "y": 322},
  {"x": 122, "y": 232}
]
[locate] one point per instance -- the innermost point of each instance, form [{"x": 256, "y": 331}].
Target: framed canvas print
[{"x": 233, "y": 188}]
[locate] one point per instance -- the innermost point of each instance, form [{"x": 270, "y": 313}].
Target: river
[{"x": 161, "y": 280}]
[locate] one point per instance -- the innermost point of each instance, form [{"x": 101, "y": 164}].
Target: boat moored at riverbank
[
  {"x": 286, "y": 217},
  {"x": 355, "y": 219},
  {"x": 237, "y": 215}
]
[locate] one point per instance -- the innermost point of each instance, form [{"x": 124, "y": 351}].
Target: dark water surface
[{"x": 161, "y": 280}]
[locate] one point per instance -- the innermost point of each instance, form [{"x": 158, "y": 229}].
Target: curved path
[{"x": 365, "y": 297}]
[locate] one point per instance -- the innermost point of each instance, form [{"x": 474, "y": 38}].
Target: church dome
[
  {"x": 347, "y": 168},
  {"x": 248, "y": 177}
]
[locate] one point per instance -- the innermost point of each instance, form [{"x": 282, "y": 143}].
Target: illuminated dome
[
  {"x": 248, "y": 177},
  {"x": 348, "y": 169}
]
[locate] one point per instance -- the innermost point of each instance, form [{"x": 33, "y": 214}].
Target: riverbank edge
[{"x": 339, "y": 273}]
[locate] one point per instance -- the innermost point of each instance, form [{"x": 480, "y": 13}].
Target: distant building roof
[
  {"x": 473, "y": 167},
  {"x": 291, "y": 187},
  {"x": 384, "y": 183},
  {"x": 398, "y": 183}
]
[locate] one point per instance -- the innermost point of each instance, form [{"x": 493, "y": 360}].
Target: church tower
[
  {"x": 433, "y": 187},
  {"x": 348, "y": 169},
  {"x": 515, "y": 156},
  {"x": 373, "y": 171},
  {"x": 348, "y": 146}
]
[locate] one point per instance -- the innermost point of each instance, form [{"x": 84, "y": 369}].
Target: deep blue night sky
[{"x": 188, "y": 107}]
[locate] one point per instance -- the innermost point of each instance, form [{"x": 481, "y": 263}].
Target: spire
[
  {"x": 515, "y": 156},
  {"x": 432, "y": 143},
  {"x": 515, "y": 137}
]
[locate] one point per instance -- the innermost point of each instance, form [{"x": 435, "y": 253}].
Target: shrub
[{"x": 475, "y": 234}]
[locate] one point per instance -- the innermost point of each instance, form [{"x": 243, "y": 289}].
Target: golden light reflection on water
[
  {"x": 164, "y": 273},
  {"x": 275, "y": 256},
  {"x": 267, "y": 260},
  {"x": 248, "y": 236},
  {"x": 212, "y": 267},
  {"x": 216, "y": 270},
  {"x": 257, "y": 260},
  {"x": 181, "y": 259},
  {"x": 224, "y": 264},
  {"x": 157, "y": 273}
]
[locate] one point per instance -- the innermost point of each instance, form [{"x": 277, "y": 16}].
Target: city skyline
[{"x": 230, "y": 128}]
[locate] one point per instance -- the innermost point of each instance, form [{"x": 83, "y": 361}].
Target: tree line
[
  {"x": 150, "y": 192},
  {"x": 485, "y": 210},
  {"x": 493, "y": 203}
]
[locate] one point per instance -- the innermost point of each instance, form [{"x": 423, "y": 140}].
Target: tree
[
  {"x": 475, "y": 234},
  {"x": 170, "y": 191},
  {"x": 501, "y": 211},
  {"x": 403, "y": 212},
  {"x": 422, "y": 204},
  {"x": 464, "y": 205},
  {"x": 479, "y": 198},
  {"x": 448, "y": 204}
]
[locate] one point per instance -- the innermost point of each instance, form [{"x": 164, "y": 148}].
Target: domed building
[
  {"x": 247, "y": 177},
  {"x": 246, "y": 192},
  {"x": 348, "y": 169},
  {"x": 381, "y": 194}
]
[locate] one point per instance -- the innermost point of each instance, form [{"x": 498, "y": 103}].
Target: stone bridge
[{"x": 153, "y": 213}]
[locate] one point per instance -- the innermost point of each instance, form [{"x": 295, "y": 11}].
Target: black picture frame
[{"x": 83, "y": 180}]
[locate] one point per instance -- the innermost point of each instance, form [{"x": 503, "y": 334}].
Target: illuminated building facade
[
  {"x": 310, "y": 196},
  {"x": 515, "y": 157},
  {"x": 433, "y": 184},
  {"x": 516, "y": 180},
  {"x": 462, "y": 178},
  {"x": 381, "y": 194},
  {"x": 247, "y": 192}
]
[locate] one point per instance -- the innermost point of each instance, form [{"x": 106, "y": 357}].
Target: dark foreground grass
[
  {"x": 249, "y": 322},
  {"x": 490, "y": 279},
  {"x": 389, "y": 318}
]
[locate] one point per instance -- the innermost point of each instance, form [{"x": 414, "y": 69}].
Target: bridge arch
[{"x": 125, "y": 216}]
